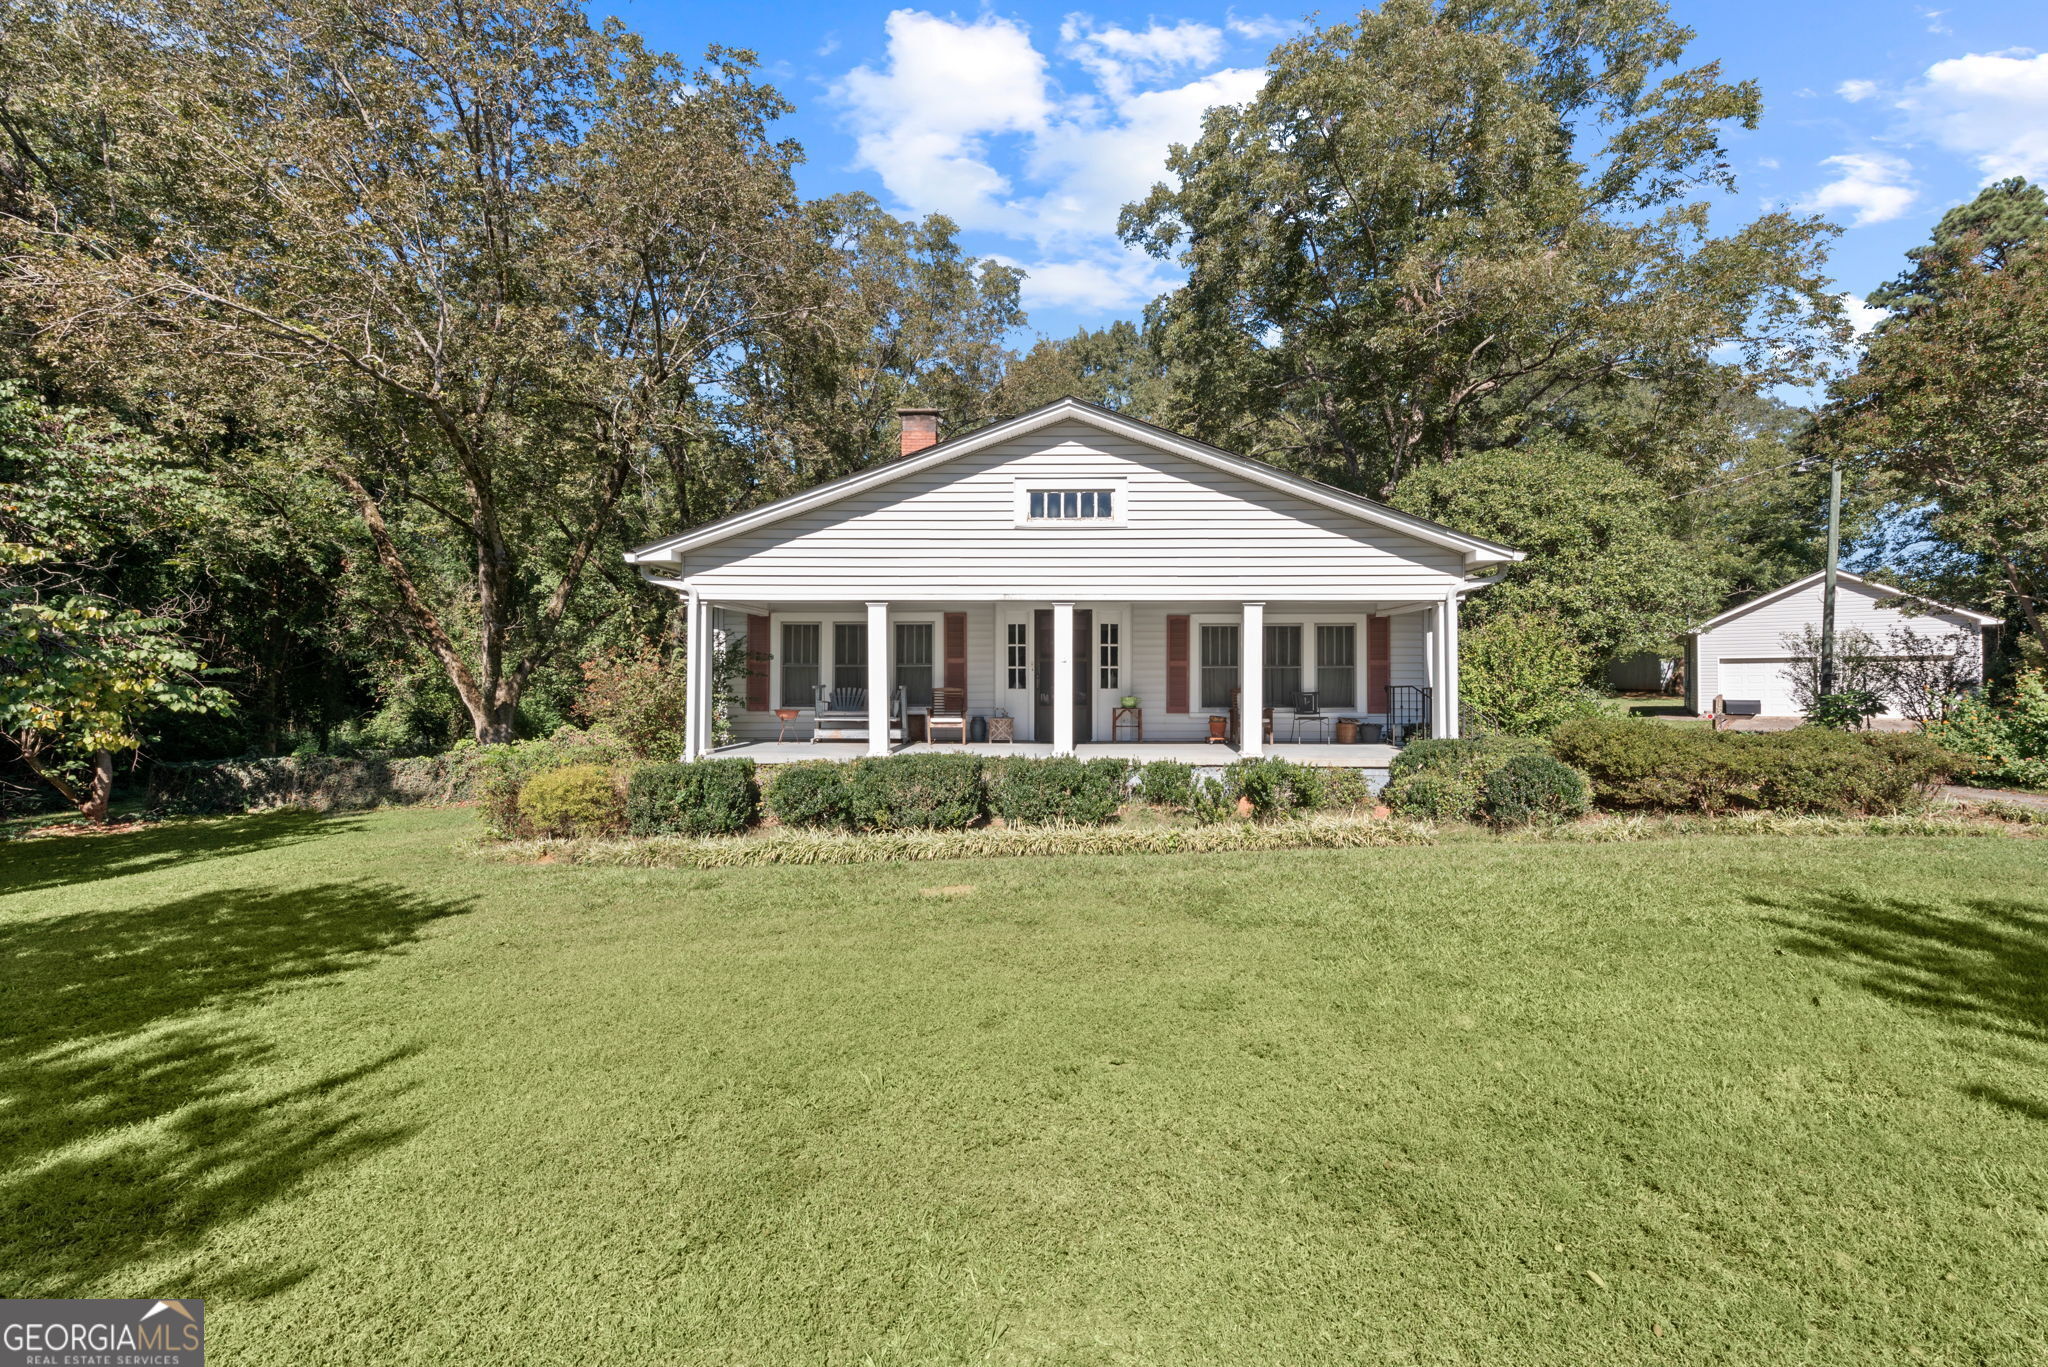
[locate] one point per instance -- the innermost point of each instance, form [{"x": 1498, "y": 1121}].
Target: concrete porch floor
[{"x": 1190, "y": 752}]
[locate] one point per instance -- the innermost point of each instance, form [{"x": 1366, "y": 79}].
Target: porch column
[
  {"x": 1063, "y": 678},
  {"x": 878, "y": 680},
  {"x": 696, "y": 664},
  {"x": 1450, "y": 647},
  {"x": 1251, "y": 682},
  {"x": 1433, "y": 665}
]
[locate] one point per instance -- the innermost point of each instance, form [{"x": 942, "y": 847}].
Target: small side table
[
  {"x": 1131, "y": 718},
  {"x": 1002, "y": 729},
  {"x": 783, "y": 717}
]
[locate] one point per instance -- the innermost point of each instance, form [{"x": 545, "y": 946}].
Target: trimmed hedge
[
  {"x": 940, "y": 792},
  {"x": 706, "y": 797},
  {"x": 1644, "y": 766},
  {"x": 1062, "y": 789},
  {"x": 812, "y": 793},
  {"x": 1167, "y": 783},
  {"x": 505, "y": 770},
  {"x": 580, "y": 800}
]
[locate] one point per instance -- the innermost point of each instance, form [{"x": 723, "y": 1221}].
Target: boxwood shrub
[
  {"x": 1079, "y": 792},
  {"x": 705, "y": 797},
  {"x": 1452, "y": 780},
  {"x": 1529, "y": 787},
  {"x": 580, "y": 800},
  {"x": 812, "y": 793},
  {"x": 1167, "y": 783},
  {"x": 939, "y": 792},
  {"x": 1274, "y": 786}
]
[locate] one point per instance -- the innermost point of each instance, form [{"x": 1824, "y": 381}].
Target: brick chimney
[{"x": 920, "y": 428}]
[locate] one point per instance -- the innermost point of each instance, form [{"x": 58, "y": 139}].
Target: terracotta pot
[
  {"x": 1219, "y": 728},
  {"x": 1347, "y": 732}
]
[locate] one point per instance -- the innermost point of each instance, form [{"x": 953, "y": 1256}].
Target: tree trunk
[{"x": 99, "y": 793}]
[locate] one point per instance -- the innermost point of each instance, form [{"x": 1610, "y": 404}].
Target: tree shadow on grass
[
  {"x": 1981, "y": 962},
  {"x": 49, "y": 862},
  {"x": 1978, "y": 962},
  {"x": 132, "y": 1125}
]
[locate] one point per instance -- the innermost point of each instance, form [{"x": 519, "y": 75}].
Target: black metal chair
[{"x": 1306, "y": 710}]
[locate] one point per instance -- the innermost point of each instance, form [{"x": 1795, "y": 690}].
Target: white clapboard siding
[
  {"x": 1745, "y": 656},
  {"x": 1188, "y": 532}
]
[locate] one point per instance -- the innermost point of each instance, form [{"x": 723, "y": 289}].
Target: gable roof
[
  {"x": 1843, "y": 576},
  {"x": 1476, "y": 550}
]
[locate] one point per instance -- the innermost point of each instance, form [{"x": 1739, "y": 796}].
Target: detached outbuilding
[{"x": 1754, "y": 653}]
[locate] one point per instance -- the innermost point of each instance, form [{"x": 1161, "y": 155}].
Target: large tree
[
  {"x": 1451, "y": 224},
  {"x": 481, "y": 265},
  {"x": 1948, "y": 409}
]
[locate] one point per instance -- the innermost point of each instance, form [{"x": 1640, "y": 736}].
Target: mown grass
[{"x": 1686, "y": 1100}]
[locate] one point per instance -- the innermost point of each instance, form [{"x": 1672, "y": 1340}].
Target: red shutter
[
  {"x": 956, "y": 651},
  {"x": 1176, "y": 664},
  {"x": 1379, "y": 662},
  {"x": 757, "y": 662}
]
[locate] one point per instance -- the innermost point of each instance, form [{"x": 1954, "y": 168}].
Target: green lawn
[{"x": 1745, "y": 1101}]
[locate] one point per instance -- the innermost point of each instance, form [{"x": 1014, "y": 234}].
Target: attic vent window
[{"x": 1048, "y": 504}]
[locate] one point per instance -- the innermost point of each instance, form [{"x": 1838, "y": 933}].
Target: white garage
[{"x": 1743, "y": 654}]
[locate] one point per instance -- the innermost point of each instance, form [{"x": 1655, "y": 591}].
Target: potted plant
[{"x": 1130, "y": 701}]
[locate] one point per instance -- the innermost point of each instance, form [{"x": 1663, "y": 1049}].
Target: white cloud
[
  {"x": 1262, "y": 29},
  {"x": 1989, "y": 106},
  {"x": 967, "y": 119},
  {"x": 1874, "y": 186},
  {"x": 1934, "y": 24},
  {"x": 1862, "y": 316},
  {"x": 1855, "y": 91}
]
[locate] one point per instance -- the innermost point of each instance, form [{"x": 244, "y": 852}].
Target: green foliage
[
  {"x": 705, "y": 797},
  {"x": 1343, "y": 788},
  {"x": 1059, "y": 789},
  {"x": 1167, "y": 783},
  {"x": 2002, "y": 742},
  {"x": 504, "y": 771},
  {"x": 321, "y": 783},
  {"x": 1274, "y": 787},
  {"x": 1524, "y": 674},
  {"x": 1433, "y": 795},
  {"x": 1846, "y": 709},
  {"x": 1642, "y": 765},
  {"x": 812, "y": 793},
  {"x": 1445, "y": 228},
  {"x": 915, "y": 792},
  {"x": 1947, "y": 410},
  {"x": 577, "y": 800},
  {"x": 1450, "y": 780},
  {"x": 1608, "y": 574},
  {"x": 1527, "y": 788},
  {"x": 1117, "y": 367},
  {"x": 639, "y": 697}
]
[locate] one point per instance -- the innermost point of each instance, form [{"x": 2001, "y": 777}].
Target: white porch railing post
[
  {"x": 1450, "y": 689},
  {"x": 696, "y": 664},
  {"x": 1251, "y": 682},
  {"x": 1433, "y": 664},
  {"x": 1063, "y": 678},
  {"x": 878, "y": 680}
]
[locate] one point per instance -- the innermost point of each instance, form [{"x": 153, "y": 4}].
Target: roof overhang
[
  {"x": 1477, "y": 551},
  {"x": 1843, "y": 576}
]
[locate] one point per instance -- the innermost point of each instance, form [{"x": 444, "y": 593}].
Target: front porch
[
  {"x": 1323, "y": 756},
  {"x": 1140, "y": 679}
]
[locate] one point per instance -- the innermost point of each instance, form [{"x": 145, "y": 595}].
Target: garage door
[{"x": 1763, "y": 680}]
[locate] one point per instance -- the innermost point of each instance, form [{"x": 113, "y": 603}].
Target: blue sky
[{"x": 1030, "y": 124}]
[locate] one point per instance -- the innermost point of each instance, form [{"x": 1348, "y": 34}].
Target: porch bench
[{"x": 843, "y": 712}]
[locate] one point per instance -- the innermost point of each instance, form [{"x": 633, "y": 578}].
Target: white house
[
  {"x": 1743, "y": 653},
  {"x": 1073, "y": 543}
]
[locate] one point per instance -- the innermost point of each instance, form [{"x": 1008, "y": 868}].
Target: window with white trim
[
  {"x": 1017, "y": 655},
  {"x": 849, "y": 654},
  {"x": 1050, "y": 504},
  {"x": 1107, "y": 650},
  {"x": 1283, "y": 664}
]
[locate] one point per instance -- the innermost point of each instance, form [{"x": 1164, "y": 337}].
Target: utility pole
[{"x": 1827, "y": 596}]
